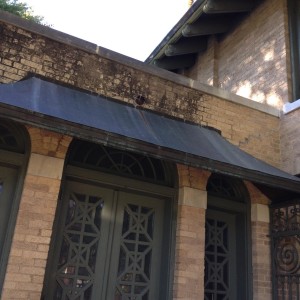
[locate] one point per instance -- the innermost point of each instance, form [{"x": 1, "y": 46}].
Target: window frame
[{"x": 294, "y": 34}]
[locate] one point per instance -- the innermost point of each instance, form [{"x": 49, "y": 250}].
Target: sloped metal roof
[{"x": 68, "y": 110}]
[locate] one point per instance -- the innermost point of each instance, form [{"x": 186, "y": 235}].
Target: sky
[{"x": 133, "y": 27}]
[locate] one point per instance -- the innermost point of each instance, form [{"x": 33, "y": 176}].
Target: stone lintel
[
  {"x": 260, "y": 213},
  {"x": 45, "y": 166},
  {"x": 192, "y": 197}
]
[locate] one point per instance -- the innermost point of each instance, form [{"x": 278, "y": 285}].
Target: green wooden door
[
  {"x": 80, "y": 242},
  {"x": 8, "y": 179},
  {"x": 136, "y": 249},
  {"x": 220, "y": 256},
  {"x": 227, "y": 240},
  {"x": 108, "y": 245}
]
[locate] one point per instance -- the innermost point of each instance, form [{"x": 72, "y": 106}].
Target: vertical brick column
[
  {"x": 261, "y": 244},
  {"x": 29, "y": 251},
  {"x": 190, "y": 234}
]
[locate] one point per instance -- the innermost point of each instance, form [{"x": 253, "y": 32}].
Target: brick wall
[
  {"x": 290, "y": 144},
  {"x": 190, "y": 234},
  {"x": 22, "y": 51},
  {"x": 206, "y": 66},
  {"x": 262, "y": 287},
  {"x": 29, "y": 250},
  {"x": 252, "y": 130},
  {"x": 261, "y": 249},
  {"x": 253, "y": 59}
]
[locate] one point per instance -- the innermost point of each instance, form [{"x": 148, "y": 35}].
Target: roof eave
[{"x": 194, "y": 12}]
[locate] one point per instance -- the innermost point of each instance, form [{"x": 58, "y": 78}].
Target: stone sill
[{"x": 289, "y": 107}]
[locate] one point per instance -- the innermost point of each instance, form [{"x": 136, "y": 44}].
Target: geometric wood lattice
[
  {"x": 77, "y": 258},
  {"x": 7, "y": 139},
  {"x": 120, "y": 162},
  {"x": 134, "y": 267},
  {"x": 111, "y": 231},
  {"x": 216, "y": 260},
  {"x": 11, "y": 138},
  {"x": 224, "y": 187},
  {"x": 227, "y": 273}
]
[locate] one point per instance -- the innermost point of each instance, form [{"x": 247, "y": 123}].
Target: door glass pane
[
  {"x": 77, "y": 256},
  {"x": 135, "y": 258}
]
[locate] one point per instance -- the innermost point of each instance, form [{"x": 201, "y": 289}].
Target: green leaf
[{"x": 20, "y": 9}]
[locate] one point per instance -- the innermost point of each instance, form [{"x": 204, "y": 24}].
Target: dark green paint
[
  {"x": 238, "y": 236},
  {"x": 294, "y": 29},
  {"x": 13, "y": 163}
]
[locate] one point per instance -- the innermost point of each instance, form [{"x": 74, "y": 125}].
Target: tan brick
[
  {"x": 189, "y": 254},
  {"x": 32, "y": 270},
  {"x": 30, "y": 286},
  {"x": 14, "y": 295},
  {"x": 34, "y": 254},
  {"x": 37, "y": 239},
  {"x": 39, "y": 262},
  {"x": 18, "y": 277}
]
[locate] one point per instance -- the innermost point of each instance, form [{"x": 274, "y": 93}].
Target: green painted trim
[
  {"x": 10, "y": 158},
  {"x": 242, "y": 211},
  {"x": 121, "y": 183},
  {"x": 118, "y": 181},
  {"x": 20, "y": 162},
  {"x": 294, "y": 31}
]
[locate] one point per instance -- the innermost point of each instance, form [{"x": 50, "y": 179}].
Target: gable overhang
[
  {"x": 189, "y": 37},
  {"x": 109, "y": 122}
]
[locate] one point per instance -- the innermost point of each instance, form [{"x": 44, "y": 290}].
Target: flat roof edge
[{"x": 92, "y": 48}]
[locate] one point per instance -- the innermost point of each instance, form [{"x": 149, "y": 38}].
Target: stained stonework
[
  {"x": 24, "y": 52},
  {"x": 256, "y": 196},
  {"x": 48, "y": 143},
  {"x": 192, "y": 177}
]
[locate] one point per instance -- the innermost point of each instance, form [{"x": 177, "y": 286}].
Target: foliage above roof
[{"x": 20, "y": 9}]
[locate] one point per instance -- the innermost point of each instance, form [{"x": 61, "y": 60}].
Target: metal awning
[{"x": 97, "y": 118}]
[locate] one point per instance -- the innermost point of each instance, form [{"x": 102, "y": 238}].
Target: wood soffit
[{"x": 189, "y": 37}]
